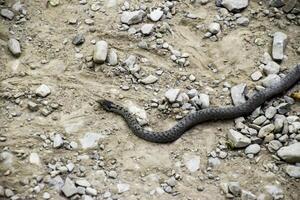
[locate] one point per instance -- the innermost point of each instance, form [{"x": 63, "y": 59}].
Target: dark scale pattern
[{"x": 208, "y": 114}]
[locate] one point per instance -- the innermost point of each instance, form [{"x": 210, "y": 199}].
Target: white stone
[
  {"x": 149, "y": 80},
  {"x": 204, "y": 100},
  {"x": 134, "y": 17},
  {"x": 235, "y": 5},
  {"x": 91, "y": 191},
  {"x": 156, "y": 14},
  {"x": 90, "y": 140},
  {"x": 243, "y": 21},
  {"x": 34, "y": 159},
  {"x": 112, "y": 57},
  {"x": 82, "y": 182},
  {"x": 43, "y": 90},
  {"x": 147, "y": 29},
  {"x": 123, "y": 187},
  {"x": 172, "y": 94},
  {"x": 14, "y": 47},
  {"x": 279, "y": 44},
  {"x": 270, "y": 80},
  {"x": 252, "y": 149},
  {"x": 192, "y": 162},
  {"x": 100, "y": 52},
  {"x": 238, "y": 94},
  {"x": 271, "y": 68},
  {"x": 69, "y": 188},
  {"x": 255, "y": 76},
  {"x": 214, "y": 28},
  {"x": 57, "y": 141},
  {"x": 293, "y": 171}
]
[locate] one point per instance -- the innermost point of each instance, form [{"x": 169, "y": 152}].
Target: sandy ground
[{"x": 47, "y": 60}]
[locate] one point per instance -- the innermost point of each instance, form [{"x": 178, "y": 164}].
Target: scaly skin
[{"x": 208, "y": 114}]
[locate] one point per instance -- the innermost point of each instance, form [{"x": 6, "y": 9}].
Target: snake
[{"x": 204, "y": 115}]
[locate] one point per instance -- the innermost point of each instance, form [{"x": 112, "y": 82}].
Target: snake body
[{"x": 208, "y": 114}]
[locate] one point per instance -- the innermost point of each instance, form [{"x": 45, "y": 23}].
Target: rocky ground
[{"x": 162, "y": 60}]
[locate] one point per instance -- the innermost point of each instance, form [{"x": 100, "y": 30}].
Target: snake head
[{"x": 106, "y": 105}]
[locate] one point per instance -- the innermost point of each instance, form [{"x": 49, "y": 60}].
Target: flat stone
[
  {"x": 32, "y": 106},
  {"x": 290, "y": 153},
  {"x": 91, "y": 191},
  {"x": 6, "y": 13},
  {"x": 123, "y": 187},
  {"x": 238, "y": 94},
  {"x": 8, "y": 193},
  {"x": 82, "y": 182},
  {"x": 243, "y": 21},
  {"x": 90, "y": 140},
  {"x": 246, "y": 195},
  {"x": 252, "y": 149},
  {"x": 259, "y": 120},
  {"x": 271, "y": 68},
  {"x": 156, "y": 14},
  {"x": 192, "y": 162},
  {"x": 235, "y": 6},
  {"x": 69, "y": 188},
  {"x": 293, "y": 171},
  {"x": 34, "y": 159},
  {"x": 279, "y": 44},
  {"x": 57, "y": 141},
  {"x": 147, "y": 29},
  {"x": 279, "y": 121},
  {"x": 214, "y": 28},
  {"x": 172, "y": 94},
  {"x": 112, "y": 57},
  {"x": 274, "y": 191},
  {"x": 237, "y": 139},
  {"x": 78, "y": 39},
  {"x": 149, "y": 80},
  {"x": 14, "y": 47},
  {"x": 289, "y": 5},
  {"x": 133, "y": 17},
  {"x": 255, "y": 76},
  {"x": 100, "y": 52},
  {"x": 264, "y": 131},
  {"x": 270, "y": 80},
  {"x": 43, "y": 90},
  {"x": 270, "y": 112}
]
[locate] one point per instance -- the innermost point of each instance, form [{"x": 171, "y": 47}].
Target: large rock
[
  {"x": 132, "y": 17},
  {"x": 8, "y": 14},
  {"x": 172, "y": 94},
  {"x": 238, "y": 94},
  {"x": 270, "y": 80},
  {"x": 271, "y": 68},
  {"x": 235, "y": 5},
  {"x": 279, "y": 44},
  {"x": 290, "y": 153},
  {"x": 293, "y": 171},
  {"x": 100, "y": 52},
  {"x": 237, "y": 139},
  {"x": 69, "y": 188}
]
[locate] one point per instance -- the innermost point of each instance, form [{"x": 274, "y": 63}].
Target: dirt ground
[{"x": 49, "y": 57}]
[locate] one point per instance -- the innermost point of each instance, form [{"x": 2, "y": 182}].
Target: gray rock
[
  {"x": 213, "y": 162},
  {"x": 259, "y": 120},
  {"x": 57, "y": 141},
  {"x": 266, "y": 58},
  {"x": 279, "y": 44},
  {"x": 276, "y": 3},
  {"x": 43, "y": 90},
  {"x": 274, "y": 191},
  {"x": 255, "y": 76},
  {"x": 78, "y": 39},
  {"x": 100, "y": 52},
  {"x": 243, "y": 21},
  {"x": 69, "y": 188},
  {"x": 87, "y": 197},
  {"x": 274, "y": 145},
  {"x": 46, "y": 195},
  {"x": 8, "y": 14},
  {"x": 235, "y": 6},
  {"x": 246, "y": 195},
  {"x": 204, "y": 100},
  {"x": 147, "y": 29},
  {"x": 149, "y": 80},
  {"x": 252, "y": 149},
  {"x": 192, "y": 162},
  {"x": 90, "y": 140},
  {"x": 112, "y": 174},
  {"x": 270, "y": 80},
  {"x": 289, "y": 5},
  {"x": 112, "y": 57},
  {"x": 14, "y": 47},
  {"x": 293, "y": 171},
  {"x": 82, "y": 182},
  {"x": 171, "y": 181},
  {"x": 290, "y": 153},
  {"x": 32, "y": 106},
  {"x": 130, "y": 61},
  {"x": 133, "y": 17},
  {"x": 172, "y": 94},
  {"x": 238, "y": 94},
  {"x": 91, "y": 191},
  {"x": 234, "y": 188},
  {"x": 264, "y": 131},
  {"x": 214, "y": 28},
  {"x": 271, "y": 68},
  {"x": 123, "y": 187},
  {"x": 182, "y": 98},
  {"x": 156, "y": 14},
  {"x": 8, "y": 193},
  {"x": 192, "y": 93},
  {"x": 270, "y": 112},
  {"x": 279, "y": 121},
  {"x": 237, "y": 139}
]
